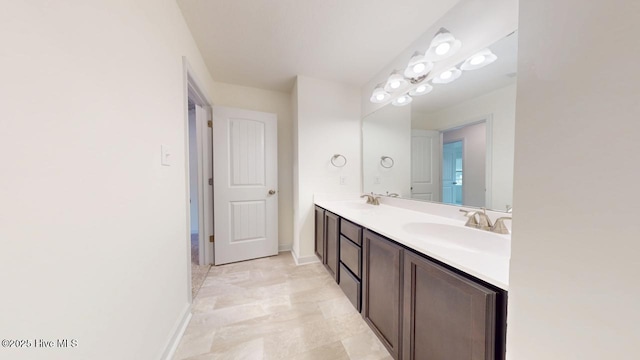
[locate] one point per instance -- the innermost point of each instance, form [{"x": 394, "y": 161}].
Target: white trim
[
  {"x": 177, "y": 333},
  {"x": 304, "y": 260},
  {"x": 285, "y": 248}
]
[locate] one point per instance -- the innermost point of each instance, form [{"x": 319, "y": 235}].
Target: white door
[
  {"x": 245, "y": 184},
  {"x": 425, "y": 165}
]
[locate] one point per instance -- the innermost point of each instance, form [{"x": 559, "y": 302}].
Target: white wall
[
  {"x": 387, "y": 132},
  {"x": 574, "y": 290},
  {"x": 278, "y": 103},
  {"x": 327, "y": 123},
  {"x": 501, "y": 105},
  {"x": 93, "y": 230}
]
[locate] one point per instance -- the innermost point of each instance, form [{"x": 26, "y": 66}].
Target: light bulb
[
  {"x": 446, "y": 75},
  {"x": 395, "y": 84},
  {"x": 443, "y": 48},
  {"x": 402, "y": 100},
  {"x": 477, "y": 60},
  {"x": 418, "y": 68},
  {"x": 380, "y": 97},
  {"x": 421, "y": 89}
]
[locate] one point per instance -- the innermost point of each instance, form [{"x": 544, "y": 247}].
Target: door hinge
[
  {"x": 210, "y": 123},
  {"x": 211, "y": 238},
  {"x": 210, "y": 181}
]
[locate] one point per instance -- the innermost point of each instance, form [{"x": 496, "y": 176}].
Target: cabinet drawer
[
  {"x": 350, "y": 286},
  {"x": 351, "y": 231},
  {"x": 351, "y": 256}
]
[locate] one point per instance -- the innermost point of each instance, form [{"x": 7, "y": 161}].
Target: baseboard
[
  {"x": 284, "y": 247},
  {"x": 305, "y": 259},
  {"x": 178, "y": 331}
]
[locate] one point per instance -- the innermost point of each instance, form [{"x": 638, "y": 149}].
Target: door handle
[{"x": 272, "y": 192}]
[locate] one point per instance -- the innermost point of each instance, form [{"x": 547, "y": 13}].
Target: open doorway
[
  {"x": 198, "y": 144},
  {"x": 464, "y": 165},
  {"x": 199, "y": 184}
]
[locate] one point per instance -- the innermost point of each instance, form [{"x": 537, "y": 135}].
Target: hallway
[{"x": 270, "y": 308}]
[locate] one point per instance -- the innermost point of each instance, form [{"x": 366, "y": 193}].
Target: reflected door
[
  {"x": 452, "y": 173},
  {"x": 245, "y": 184},
  {"x": 425, "y": 167}
]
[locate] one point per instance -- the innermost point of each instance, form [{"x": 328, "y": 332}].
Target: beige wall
[
  {"x": 574, "y": 263},
  {"x": 273, "y": 102},
  {"x": 93, "y": 230},
  {"x": 501, "y": 105},
  {"x": 327, "y": 123}
]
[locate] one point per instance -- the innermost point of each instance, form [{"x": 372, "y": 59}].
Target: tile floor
[{"x": 270, "y": 308}]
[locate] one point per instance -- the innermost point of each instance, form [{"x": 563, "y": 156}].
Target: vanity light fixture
[
  {"x": 379, "y": 95},
  {"x": 402, "y": 100},
  {"x": 447, "y": 76},
  {"x": 421, "y": 90},
  {"x": 395, "y": 82},
  {"x": 418, "y": 68},
  {"x": 479, "y": 60},
  {"x": 443, "y": 45}
]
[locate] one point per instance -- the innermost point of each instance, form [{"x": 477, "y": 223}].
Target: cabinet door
[
  {"x": 331, "y": 235},
  {"x": 446, "y": 316},
  {"x": 319, "y": 240},
  {"x": 382, "y": 289}
]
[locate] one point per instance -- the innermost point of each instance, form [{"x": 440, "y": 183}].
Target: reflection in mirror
[{"x": 452, "y": 145}]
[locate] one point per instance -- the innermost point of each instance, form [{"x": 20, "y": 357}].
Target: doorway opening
[
  {"x": 199, "y": 173},
  {"x": 465, "y": 159},
  {"x": 452, "y": 172}
]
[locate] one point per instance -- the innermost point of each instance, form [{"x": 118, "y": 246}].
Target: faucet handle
[
  {"x": 369, "y": 198},
  {"x": 471, "y": 214},
  {"x": 499, "y": 226}
]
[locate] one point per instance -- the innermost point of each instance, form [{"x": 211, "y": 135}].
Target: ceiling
[{"x": 266, "y": 43}]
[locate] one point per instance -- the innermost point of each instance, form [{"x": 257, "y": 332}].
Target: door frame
[
  {"x": 192, "y": 88},
  {"x": 488, "y": 173}
]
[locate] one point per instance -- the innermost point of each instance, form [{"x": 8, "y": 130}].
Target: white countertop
[{"x": 479, "y": 253}]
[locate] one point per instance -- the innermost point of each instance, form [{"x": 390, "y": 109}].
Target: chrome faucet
[{"x": 371, "y": 199}]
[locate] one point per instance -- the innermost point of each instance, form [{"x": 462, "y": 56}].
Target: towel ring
[
  {"x": 384, "y": 160},
  {"x": 337, "y": 156}
]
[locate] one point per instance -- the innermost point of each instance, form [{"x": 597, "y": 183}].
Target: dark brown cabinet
[
  {"x": 351, "y": 262},
  {"x": 319, "y": 238},
  {"x": 382, "y": 289},
  {"x": 418, "y": 307},
  {"x": 446, "y": 315},
  {"x": 332, "y": 236}
]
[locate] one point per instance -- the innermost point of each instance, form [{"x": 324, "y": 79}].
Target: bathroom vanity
[{"x": 428, "y": 287}]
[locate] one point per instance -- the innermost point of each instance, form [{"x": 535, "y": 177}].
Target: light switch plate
[{"x": 165, "y": 159}]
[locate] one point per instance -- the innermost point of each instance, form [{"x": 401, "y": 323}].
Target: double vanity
[{"x": 427, "y": 285}]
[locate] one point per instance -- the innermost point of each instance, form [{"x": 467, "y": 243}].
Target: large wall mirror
[{"x": 453, "y": 145}]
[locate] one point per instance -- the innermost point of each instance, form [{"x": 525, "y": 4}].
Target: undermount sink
[{"x": 461, "y": 238}]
